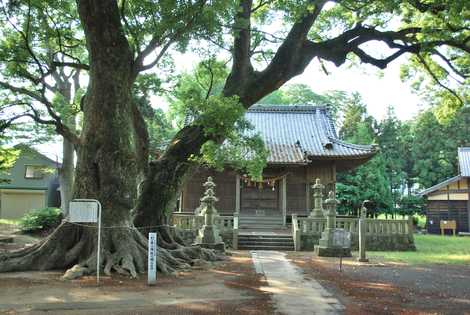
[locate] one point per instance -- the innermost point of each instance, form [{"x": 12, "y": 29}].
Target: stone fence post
[{"x": 362, "y": 233}]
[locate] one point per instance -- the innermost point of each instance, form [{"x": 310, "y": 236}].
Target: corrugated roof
[
  {"x": 297, "y": 134},
  {"x": 464, "y": 161}
]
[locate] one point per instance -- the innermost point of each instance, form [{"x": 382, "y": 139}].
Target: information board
[
  {"x": 341, "y": 238},
  {"x": 83, "y": 211}
]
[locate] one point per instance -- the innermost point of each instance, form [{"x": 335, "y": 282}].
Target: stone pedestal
[
  {"x": 208, "y": 235},
  {"x": 329, "y": 245},
  {"x": 317, "y": 211}
]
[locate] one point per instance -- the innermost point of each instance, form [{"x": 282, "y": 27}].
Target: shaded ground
[
  {"x": 386, "y": 288},
  {"x": 230, "y": 287},
  {"x": 11, "y": 238}
]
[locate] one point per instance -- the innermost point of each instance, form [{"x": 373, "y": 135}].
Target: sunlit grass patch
[
  {"x": 10, "y": 222},
  {"x": 432, "y": 249}
]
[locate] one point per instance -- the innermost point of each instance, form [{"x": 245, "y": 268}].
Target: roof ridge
[{"x": 286, "y": 108}]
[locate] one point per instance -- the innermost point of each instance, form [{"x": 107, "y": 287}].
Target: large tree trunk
[
  {"x": 66, "y": 176},
  {"x": 66, "y": 171},
  {"x": 106, "y": 168},
  {"x": 159, "y": 191}
]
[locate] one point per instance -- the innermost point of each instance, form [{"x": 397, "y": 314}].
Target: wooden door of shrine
[{"x": 256, "y": 200}]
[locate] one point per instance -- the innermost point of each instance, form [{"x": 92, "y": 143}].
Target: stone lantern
[
  {"x": 208, "y": 235},
  {"x": 334, "y": 242},
  {"x": 317, "y": 211}
]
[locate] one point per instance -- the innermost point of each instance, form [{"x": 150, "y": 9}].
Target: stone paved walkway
[{"x": 292, "y": 293}]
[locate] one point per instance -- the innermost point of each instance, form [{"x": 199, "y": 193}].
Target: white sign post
[
  {"x": 84, "y": 211},
  {"x": 152, "y": 259},
  {"x": 341, "y": 239}
]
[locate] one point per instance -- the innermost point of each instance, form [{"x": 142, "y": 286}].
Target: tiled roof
[
  {"x": 297, "y": 134},
  {"x": 464, "y": 161}
]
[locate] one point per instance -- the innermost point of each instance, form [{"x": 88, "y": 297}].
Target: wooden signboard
[{"x": 448, "y": 225}]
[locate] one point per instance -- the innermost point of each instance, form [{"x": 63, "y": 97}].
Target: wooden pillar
[
  {"x": 468, "y": 203},
  {"x": 237, "y": 194},
  {"x": 180, "y": 206},
  {"x": 284, "y": 198},
  {"x": 307, "y": 196},
  {"x": 448, "y": 203}
]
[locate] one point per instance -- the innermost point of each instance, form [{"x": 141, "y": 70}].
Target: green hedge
[{"x": 41, "y": 220}]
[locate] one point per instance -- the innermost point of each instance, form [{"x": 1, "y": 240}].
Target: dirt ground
[
  {"x": 13, "y": 234},
  {"x": 385, "y": 288},
  {"x": 229, "y": 287}
]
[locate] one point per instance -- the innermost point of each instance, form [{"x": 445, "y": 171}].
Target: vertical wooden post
[
  {"x": 307, "y": 196},
  {"x": 468, "y": 203},
  {"x": 180, "y": 206},
  {"x": 237, "y": 194},
  {"x": 448, "y": 203},
  {"x": 284, "y": 199}
]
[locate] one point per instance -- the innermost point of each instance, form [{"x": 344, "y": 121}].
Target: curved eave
[{"x": 345, "y": 162}]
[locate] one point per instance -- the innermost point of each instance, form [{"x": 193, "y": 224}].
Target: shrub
[{"x": 38, "y": 220}]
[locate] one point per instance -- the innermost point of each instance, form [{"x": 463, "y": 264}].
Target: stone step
[
  {"x": 260, "y": 221},
  {"x": 264, "y": 247},
  {"x": 280, "y": 239},
  {"x": 277, "y": 244},
  {"x": 261, "y": 226},
  {"x": 265, "y": 238},
  {"x": 265, "y": 242},
  {"x": 275, "y": 217},
  {"x": 262, "y": 216}
]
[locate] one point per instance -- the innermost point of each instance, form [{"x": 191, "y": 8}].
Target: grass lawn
[
  {"x": 432, "y": 249},
  {"x": 10, "y": 222}
]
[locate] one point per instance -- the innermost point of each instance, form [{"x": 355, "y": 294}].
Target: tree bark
[
  {"x": 66, "y": 176},
  {"x": 107, "y": 169},
  {"x": 66, "y": 170},
  {"x": 161, "y": 188}
]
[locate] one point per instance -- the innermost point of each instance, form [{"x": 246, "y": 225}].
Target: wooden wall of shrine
[{"x": 282, "y": 182}]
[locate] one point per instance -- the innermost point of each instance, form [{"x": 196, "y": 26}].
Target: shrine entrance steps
[
  {"x": 261, "y": 222},
  {"x": 265, "y": 240}
]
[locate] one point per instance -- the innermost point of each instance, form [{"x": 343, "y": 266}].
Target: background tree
[{"x": 369, "y": 181}]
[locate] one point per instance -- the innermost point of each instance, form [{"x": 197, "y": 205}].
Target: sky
[{"x": 379, "y": 88}]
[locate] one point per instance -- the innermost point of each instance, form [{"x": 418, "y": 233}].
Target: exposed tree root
[{"x": 123, "y": 250}]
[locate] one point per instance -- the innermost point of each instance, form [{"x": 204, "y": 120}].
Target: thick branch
[
  {"x": 6, "y": 123},
  {"x": 75, "y": 65},
  {"x": 286, "y": 63},
  {"x": 166, "y": 40},
  {"x": 241, "y": 48},
  {"x": 57, "y": 121}
]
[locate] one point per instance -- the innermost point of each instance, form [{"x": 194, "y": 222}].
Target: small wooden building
[
  {"x": 450, "y": 200},
  {"x": 303, "y": 145}
]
